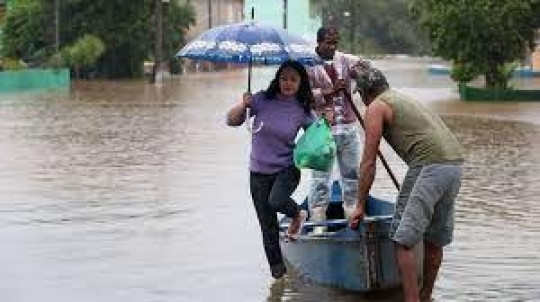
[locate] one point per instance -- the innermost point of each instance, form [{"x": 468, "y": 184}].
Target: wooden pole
[
  {"x": 158, "y": 48},
  {"x": 284, "y": 14},
  {"x": 57, "y": 25},
  {"x": 352, "y": 18},
  {"x": 209, "y": 14}
]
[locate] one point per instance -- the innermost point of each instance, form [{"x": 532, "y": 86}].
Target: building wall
[
  {"x": 211, "y": 13},
  {"x": 535, "y": 56},
  {"x": 303, "y": 16}
]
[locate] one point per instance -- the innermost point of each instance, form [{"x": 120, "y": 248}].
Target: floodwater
[{"x": 121, "y": 191}]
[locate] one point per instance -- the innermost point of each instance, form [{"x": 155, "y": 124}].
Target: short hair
[
  {"x": 371, "y": 80},
  {"x": 325, "y": 30}
]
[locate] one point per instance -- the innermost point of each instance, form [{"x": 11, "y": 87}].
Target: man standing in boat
[
  {"x": 331, "y": 86},
  {"x": 425, "y": 205}
]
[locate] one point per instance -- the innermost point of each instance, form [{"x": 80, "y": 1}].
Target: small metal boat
[{"x": 360, "y": 260}]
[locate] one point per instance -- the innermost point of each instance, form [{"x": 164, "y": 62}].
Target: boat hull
[{"x": 360, "y": 260}]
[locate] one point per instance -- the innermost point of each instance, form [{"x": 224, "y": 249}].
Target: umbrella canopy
[{"x": 250, "y": 43}]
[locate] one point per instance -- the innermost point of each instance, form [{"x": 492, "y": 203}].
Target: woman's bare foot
[{"x": 296, "y": 224}]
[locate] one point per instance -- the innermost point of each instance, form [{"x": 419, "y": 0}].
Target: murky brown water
[{"x": 124, "y": 192}]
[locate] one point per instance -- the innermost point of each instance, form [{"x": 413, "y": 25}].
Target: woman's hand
[
  {"x": 237, "y": 115},
  {"x": 246, "y": 99}
]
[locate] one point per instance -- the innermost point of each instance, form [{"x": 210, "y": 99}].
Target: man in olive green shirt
[{"x": 425, "y": 205}]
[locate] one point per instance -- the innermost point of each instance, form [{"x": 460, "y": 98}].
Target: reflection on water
[
  {"x": 294, "y": 288},
  {"x": 121, "y": 191}
]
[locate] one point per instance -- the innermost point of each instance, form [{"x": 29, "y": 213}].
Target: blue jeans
[{"x": 347, "y": 160}]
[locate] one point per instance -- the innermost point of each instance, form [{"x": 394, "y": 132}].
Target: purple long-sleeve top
[{"x": 272, "y": 146}]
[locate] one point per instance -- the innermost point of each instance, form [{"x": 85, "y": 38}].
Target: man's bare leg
[
  {"x": 433, "y": 255},
  {"x": 409, "y": 275}
]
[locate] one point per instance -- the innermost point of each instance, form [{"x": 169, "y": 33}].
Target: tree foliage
[
  {"x": 179, "y": 18},
  {"x": 484, "y": 35},
  {"x": 25, "y": 33},
  {"x": 376, "y": 26},
  {"x": 83, "y": 53},
  {"x": 126, "y": 29}
]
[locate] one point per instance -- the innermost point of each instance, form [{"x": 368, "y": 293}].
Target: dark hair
[
  {"x": 303, "y": 95},
  {"x": 323, "y": 31}
]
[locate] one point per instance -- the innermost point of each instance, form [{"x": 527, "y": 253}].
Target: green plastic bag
[{"x": 316, "y": 148}]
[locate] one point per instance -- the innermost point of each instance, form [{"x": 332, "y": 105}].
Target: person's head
[
  {"x": 291, "y": 80},
  {"x": 327, "y": 42},
  {"x": 370, "y": 83}
]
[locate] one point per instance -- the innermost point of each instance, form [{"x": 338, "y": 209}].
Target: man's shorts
[{"x": 425, "y": 205}]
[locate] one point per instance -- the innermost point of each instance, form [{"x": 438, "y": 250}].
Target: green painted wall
[
  {"x": 34, "y": 79},
  {"x": 299, "y": 20}
]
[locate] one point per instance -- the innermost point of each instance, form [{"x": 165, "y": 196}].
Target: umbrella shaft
[{"x": 249, "y": 75}]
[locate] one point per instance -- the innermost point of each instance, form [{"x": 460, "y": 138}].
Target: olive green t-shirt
[{"x": 417, "y": 135}]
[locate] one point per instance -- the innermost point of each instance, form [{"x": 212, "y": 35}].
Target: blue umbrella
[{"x": 250, "y": 43}]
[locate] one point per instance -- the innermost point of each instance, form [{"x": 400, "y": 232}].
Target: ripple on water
[
  {"x": 121, "y": 188},
  {"x": 495, "y": 254}
]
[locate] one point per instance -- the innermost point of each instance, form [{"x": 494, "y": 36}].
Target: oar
[{"x": 383, "y": 160}]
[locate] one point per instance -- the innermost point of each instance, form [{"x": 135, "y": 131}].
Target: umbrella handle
[{"x": 250, "y": 124}]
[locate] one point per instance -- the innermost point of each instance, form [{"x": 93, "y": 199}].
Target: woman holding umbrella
[{"x": 284, "y": 107}]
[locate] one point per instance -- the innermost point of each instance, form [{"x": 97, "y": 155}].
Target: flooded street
[{"x": 121, "y": 191}]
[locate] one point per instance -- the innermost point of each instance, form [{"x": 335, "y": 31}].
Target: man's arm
[
  {"x": 376, "y": 113},
  {"x": 319, "y": 89}
]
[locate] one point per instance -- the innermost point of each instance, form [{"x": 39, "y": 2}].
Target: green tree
[
  {"x": 482, "y": 36},
  {"x": 177, "y": 19},
  {"x": 376, "y": 26},
  {"x": 126, "y": 29},
  {"x": 83, "y": 53},
  {"x": 25, "y": 33}
]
